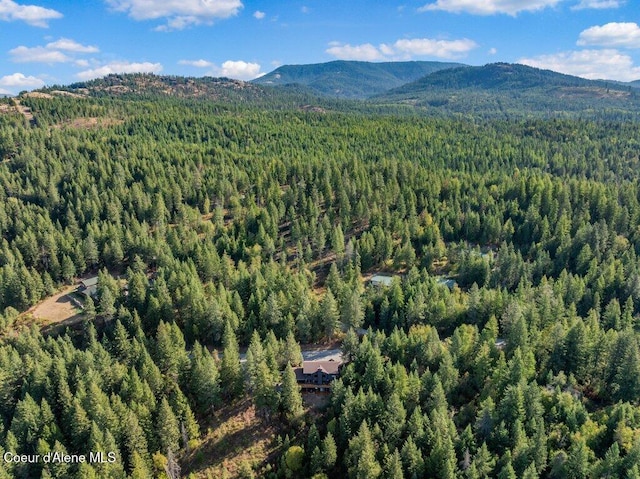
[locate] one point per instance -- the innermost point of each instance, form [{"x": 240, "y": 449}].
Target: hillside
[
  {"x": 502, "y": 88},
  {"x": 220, "y": 90},
  {"x": 494, "y": 90},
  {"x": 351, "y": 79}
]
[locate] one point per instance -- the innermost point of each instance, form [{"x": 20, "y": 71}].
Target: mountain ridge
[
  {"x": 351, "y": 79},
  {"x": 511, "y": 88}
]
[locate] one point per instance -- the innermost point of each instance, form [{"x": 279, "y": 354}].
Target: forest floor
[{"x": 235, "y": 438}]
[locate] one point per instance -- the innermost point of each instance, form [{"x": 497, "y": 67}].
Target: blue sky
[{"x": 46, "y": 42}]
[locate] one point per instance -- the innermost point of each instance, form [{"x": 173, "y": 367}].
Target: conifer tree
[
  {"x": 230, "y": 372},
  {"x": 290, "y": 397},
  {"x": 167, "y": 427}
]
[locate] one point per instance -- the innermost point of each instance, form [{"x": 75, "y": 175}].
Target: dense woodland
[{"x": 215, "y": 226}]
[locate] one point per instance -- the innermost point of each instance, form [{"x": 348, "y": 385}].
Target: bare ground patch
[
  {"x": 89, "y": 122},
  {"x": 56, "y": 309},
  {"x": 235, "y": 435}
]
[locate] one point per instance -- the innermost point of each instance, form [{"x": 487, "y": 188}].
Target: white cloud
[
  {"x": 180, "y": 14},
  {"x": 597, "y": 4},
  {"x": 607, "y": 64},
  {"x": 492, "y": 51},
  {"x": 304, "y": 9},
  {"x": 53, "y": 52},
  {"x": 612, "y": 35},
  {"x": 30, "y": 14},
  {"x": 435, "y": 48},
  {"x": 259, "y": 15},
  {"x": 71, "y": 46},
  {"x": 240, "y": 70},
  {"x": 404, "y": 49},
  {"x": 119, "y": 67},
  {"x": 196, "y": 63},
  {"x": 24, "y": 54},
  {"x": 365, "y": 52},
  {"x": 12, "y": 84},
  {"x": 489, "y": 7}
]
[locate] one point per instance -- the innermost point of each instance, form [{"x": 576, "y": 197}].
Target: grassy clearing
[{"x": 235, "y": 437}]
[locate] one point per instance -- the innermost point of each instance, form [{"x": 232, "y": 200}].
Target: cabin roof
[
  {"x": 329, "y": 367},
  {"x": 381, "y": 279},
  {"x": 92, "y": 281}
]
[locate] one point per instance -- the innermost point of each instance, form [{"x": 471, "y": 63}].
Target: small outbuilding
[
  {"x": 381, "y": 280},
  {"x": 89, "y": 287}
]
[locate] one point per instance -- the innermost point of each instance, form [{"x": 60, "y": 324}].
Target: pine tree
[
  {"x": 292, "y": 351},
  {"x": 230, "y": 372},
  {"x": 352, "y": 314},
  {"x": 167, "y": 427},
  {"x": 329, "y": 315},
  {"x": 393, "y": 466},
  {"x": 205, "y": 379},
  {"x": 290, "y": 397},
  {"x": 329, "y": 451},
  {"x": 139, "y": 468},
  {"x": 361, "y": 455}
]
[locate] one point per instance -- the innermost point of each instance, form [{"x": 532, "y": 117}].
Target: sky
[{"x": 57, "y": 42}]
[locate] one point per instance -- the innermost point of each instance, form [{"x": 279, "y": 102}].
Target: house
[
  {"x": 381, "y": 280},
  {"x": 448, "y": 282},
  {"x": 317, "y": 375},
  {"x": 89, "y": 287}
]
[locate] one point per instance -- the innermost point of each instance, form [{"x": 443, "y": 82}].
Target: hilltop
[
  {"x": 511, "y": 89},
  {"x": 351, "y": 79}
]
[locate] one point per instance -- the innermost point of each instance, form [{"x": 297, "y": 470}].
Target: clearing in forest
[
  {"x": 57, "y": 308},
  {"x": 236, "y": 438}
]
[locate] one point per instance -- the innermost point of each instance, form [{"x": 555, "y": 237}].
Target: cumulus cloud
[
  {"x": 259, "y": 15},
  {"x": 119, "y": 67},
  {"x": 612, "y": 35},
  {"x": 53, "y": 52},
  {"x": 403, "y": 49},
  {"x": 364, "y": 52},
  {"x": 69, "y": 45},
  {"x": 12, "y": 84},
  {"x": 607, "y": 64},
  {"x": 31, "y": 14},
  {"x": 240, "y": 70},
  {"x": 237, "y": 69},
  {"x": 180, "y": 14},
  {"x": 24, "y": 54},
  {"x": 196, "y": 63},
  {"x": 435, "y": 48},
  {"x": 489, "y": 7},
  {"x": 597, "y": 4}
]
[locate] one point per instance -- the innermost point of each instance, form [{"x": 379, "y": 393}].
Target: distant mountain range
[
  {"x": 511, "y": 89},
  {"x": 431, "y": 88},
  {"x": 350, "y": 79}
]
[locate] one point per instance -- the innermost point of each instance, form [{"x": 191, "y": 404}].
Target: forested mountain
[
  {"x": 511, "y": 89},
  {"x": 218, "y": 225},
  {"x": 351, "y": 79},
  {"x": 220, "y": 90},
  {"x": 493, "y": 91}
]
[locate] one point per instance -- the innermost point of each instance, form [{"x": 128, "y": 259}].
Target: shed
[
  {"x": 89, "y": 287},
  {"x": 381, "y": 280}
]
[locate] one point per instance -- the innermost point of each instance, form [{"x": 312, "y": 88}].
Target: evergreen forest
[{"x": 505, "y": 346}]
